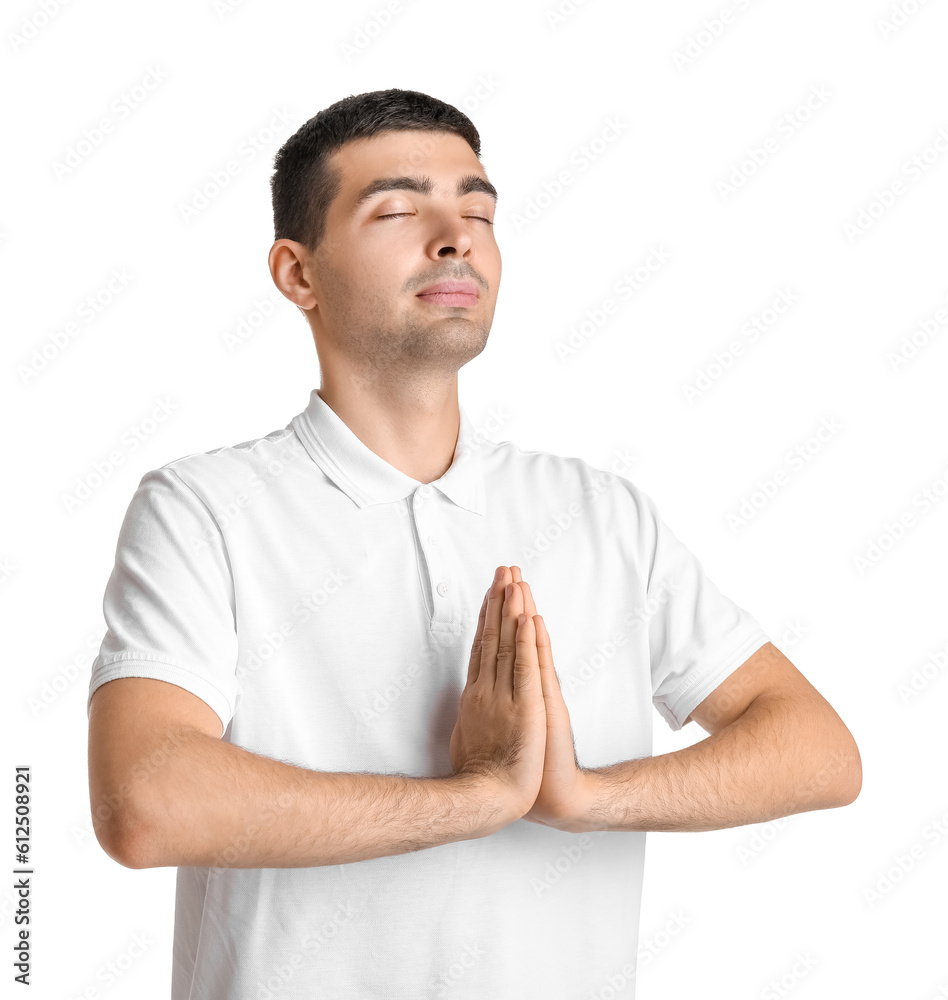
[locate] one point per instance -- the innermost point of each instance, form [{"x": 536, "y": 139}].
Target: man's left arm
[{"x": 776, "y": 747}]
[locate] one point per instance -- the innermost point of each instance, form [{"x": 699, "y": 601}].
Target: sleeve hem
[
  {"x": 124, "y": 665},
  {"x": 689, "y": 695}
]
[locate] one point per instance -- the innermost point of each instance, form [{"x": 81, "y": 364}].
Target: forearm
[
  {"x": 211, "y": 803},
  {"x": 764, "y": 765}
]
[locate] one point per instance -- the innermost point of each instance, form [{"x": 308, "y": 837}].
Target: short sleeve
[
  {"x": 696, "y": 635},
  {"x": 169, "y": 603}
]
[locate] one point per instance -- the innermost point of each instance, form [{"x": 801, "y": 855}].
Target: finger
[
  {"x": 529, "y": 606},
  {"x": 474, "y": 666},
  {"x": 507, "y": 649},
  {"x": 556, "y": 710},
  {"x": 544, "y": 647},
  {"x": 490, "y": 636},
  {"x": 526, "y": 676},
  {"x": 548, "y": 679}
]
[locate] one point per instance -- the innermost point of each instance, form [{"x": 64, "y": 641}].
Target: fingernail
[
  {"x": 499, "y": 575},
  {"x": 508, "y": 593}
]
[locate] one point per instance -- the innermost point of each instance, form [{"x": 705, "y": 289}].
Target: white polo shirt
[{"x": 324, "y": 604}]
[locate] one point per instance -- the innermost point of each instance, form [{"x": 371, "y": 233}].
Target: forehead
[{"x": 442, "y": 156}]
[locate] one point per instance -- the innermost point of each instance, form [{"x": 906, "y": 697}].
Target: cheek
[
  {"x": 493, "y": 268},
  {"x": 348, "y": 273},
  {"x": 383, "y": 256}
]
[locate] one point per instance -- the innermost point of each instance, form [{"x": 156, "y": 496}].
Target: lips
[{"x": 450, "y": 293}]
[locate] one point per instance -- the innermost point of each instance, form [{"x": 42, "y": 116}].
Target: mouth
[{"x": 450, "y": 293}]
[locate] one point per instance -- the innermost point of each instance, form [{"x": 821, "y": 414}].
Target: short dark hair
[{"x": 303, "y": 185}]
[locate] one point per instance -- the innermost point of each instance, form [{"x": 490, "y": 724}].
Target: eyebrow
[{"x": 423, "y": 185}]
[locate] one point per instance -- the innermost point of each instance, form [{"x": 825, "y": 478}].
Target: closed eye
[{"x": 399, "y": 215}]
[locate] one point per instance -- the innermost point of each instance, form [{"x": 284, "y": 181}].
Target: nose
[{"x": 451, "y": 238}]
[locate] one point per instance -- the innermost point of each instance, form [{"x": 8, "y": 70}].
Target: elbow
[
  {"x": 840, "y": 779},
  {"x": 122, "y": 833},
  {"x": 853, "y": 784},
  {"x": 852, "y": 770},
  {"x": 129, "y": 849},
  {"x": 126, "y": 845}
]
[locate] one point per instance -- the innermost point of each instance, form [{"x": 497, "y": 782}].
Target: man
[{"x": 352, "y": 743}]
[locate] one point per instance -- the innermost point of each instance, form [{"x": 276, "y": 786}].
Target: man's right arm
[{"x": 166, "y": 790}]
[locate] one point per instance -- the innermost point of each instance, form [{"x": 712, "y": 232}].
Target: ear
[{"x": 287, "y": 261}]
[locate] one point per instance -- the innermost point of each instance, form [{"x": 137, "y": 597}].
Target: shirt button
[
  {"x": 442, "y": 588},
  {"x": 432, "y": 540}
]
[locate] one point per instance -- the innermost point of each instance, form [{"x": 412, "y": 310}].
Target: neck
[{"x": 415, "y": 432}]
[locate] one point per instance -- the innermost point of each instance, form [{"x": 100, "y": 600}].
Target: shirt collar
[{"x": 367, "y": 478}]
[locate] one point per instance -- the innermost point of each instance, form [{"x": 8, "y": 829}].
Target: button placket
[{"x": 443, "y": 599}]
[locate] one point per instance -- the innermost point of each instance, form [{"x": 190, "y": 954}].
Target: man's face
[{"x": 414, "y": 209}]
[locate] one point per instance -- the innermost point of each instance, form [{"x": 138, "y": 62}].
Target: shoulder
[
  {"x": 563, "y": 475},
  {"x": 228, "y": 466}
]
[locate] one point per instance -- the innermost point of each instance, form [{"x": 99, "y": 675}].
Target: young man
[{"x": 353, "y": 744}]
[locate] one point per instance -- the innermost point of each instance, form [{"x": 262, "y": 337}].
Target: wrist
[
  {"x": 585, "y": 816},
  {"x": 487, "y": 801}
]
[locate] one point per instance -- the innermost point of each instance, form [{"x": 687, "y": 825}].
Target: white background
[{"x": 749, "y": 901}]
